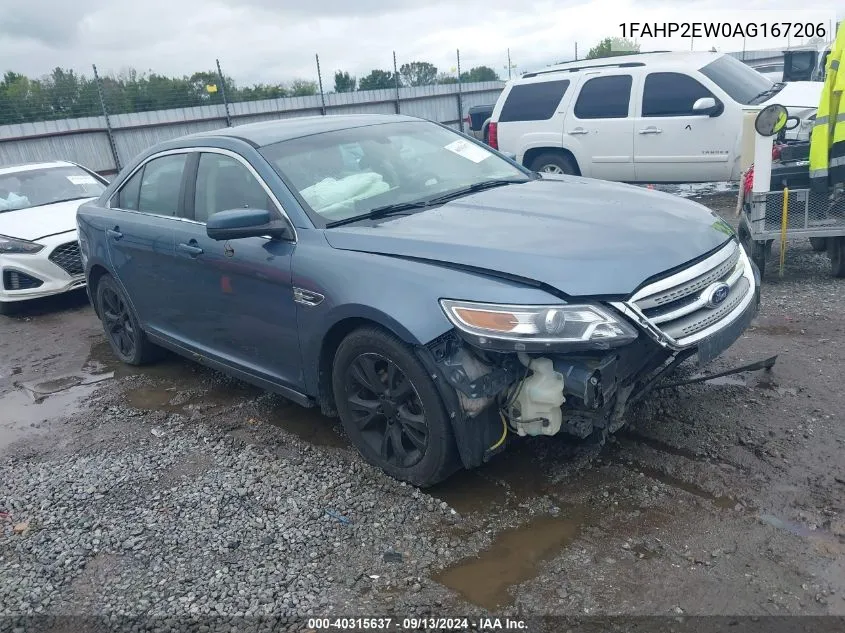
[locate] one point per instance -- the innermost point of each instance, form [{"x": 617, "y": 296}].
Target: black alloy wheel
[
  {"x": 387, "y": 410},
  {"x": 391, "y": 408},
  {"x": 121, "y": 326}
]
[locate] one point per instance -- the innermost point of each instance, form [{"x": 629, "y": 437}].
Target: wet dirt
[{"x": 513, "y": 558}]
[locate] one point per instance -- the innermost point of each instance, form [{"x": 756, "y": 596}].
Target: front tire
[
  {"x": 552, "y": 163},
  {"x": 819, "y": 244},
  {"x": 391, "y": 410},
  {"x": 121, "y": 326}
]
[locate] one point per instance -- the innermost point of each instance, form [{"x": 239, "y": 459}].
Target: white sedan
[{"x": 39, "y": 251}]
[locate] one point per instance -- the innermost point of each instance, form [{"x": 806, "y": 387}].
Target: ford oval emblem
[{"x": 716, "y": 294}]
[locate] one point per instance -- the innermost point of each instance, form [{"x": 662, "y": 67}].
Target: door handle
[
  {"x": 190, "y": 248},
  {"x": 114, "y": 233},
  {"x": 579, "y": 130},
  {"x": 651, "y": 130}
]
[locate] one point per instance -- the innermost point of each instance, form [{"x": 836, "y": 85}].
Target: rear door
[
  {"x": 236, "y": 302},
  {"x": 601, "y": 127},
  {"x": 672, "y": 143},
  {"x": 140, "y": 235}
]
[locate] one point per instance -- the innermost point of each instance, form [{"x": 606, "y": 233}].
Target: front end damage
[{"x": 491, "y": 393}]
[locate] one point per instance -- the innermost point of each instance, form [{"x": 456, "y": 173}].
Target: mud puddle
[
  {"x": 513, "y": 558},
  {"x": 507, "y": 479},
  {"x": 22, "y": 413},
  {"x": 804, "y": 531}
]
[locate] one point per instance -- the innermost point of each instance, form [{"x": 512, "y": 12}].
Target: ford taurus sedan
[{"x": 438, "y": 297}]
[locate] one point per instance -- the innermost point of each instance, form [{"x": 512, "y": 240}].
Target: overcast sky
[{"x": 275, "y": 40}]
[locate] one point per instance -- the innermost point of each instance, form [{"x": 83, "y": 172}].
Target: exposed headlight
[
  {"x": 526, "y": 327},
  {"x": 11, "y": 245}
]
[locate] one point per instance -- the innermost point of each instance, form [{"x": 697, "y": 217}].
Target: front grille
[
  {"x": 14, "y": 280},
  {"x": 67, "y": 257},
  {"x": 678, "y": 306}
]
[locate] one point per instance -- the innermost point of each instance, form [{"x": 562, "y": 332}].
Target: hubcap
[
  {"x": 551, "y": 169},
  {"x": 117, "y": 322},
  {"x": 387, "y": 410}
]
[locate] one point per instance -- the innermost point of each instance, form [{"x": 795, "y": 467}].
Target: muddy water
[{"x": 513, "y": 558}]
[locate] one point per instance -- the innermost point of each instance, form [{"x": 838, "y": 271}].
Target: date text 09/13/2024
[
  {"x": 699, "y": 30},
  {"x": 415, "y": 624}
]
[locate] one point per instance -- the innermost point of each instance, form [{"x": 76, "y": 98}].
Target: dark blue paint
[{"x": 231, "y": 302}]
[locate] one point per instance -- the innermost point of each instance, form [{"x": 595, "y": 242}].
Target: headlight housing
[
  {"x": 14, "y": 246},
  {"x": 538, "y": 327}
]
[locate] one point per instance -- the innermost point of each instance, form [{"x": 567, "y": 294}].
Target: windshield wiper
[
  {"x": 401, "y": 207},
  {"x": 479, "y": 186},
  {"x": 382, "y": 212},
  {"x": 769, "y": 91}
]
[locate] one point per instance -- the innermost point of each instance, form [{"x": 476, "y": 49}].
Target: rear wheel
[
  {"x": 121, "y": 326},
  {"x": 836, "y": 251},
  {"x": 391, "y": 410},
  {"x": 819, "y": 244},
  {"x": 552, "y": 163}
]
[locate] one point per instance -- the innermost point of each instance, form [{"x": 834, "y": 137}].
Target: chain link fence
[{"x": 67, "y": 94}]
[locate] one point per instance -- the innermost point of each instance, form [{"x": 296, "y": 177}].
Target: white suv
[{"x": 649, "y": 118}]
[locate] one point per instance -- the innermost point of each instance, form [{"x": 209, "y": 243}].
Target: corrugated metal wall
[{"x": 85, "y": 140}]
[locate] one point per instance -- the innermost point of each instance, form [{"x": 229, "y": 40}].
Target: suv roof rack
[
  {"x": 577, "y": 68},
  {"x": 607, "y": 64}
]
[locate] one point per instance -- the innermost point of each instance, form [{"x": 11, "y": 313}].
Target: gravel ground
[{"x": 175, "y": 491}]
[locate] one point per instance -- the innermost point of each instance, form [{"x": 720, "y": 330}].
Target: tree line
[{"x": 65, "y": 93}]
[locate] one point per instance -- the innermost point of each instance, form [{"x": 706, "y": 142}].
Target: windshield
[
  {"x": 348, "y": 173},
  {"x": 45, "y": 185},
  {"x": 742, "y": 83}
]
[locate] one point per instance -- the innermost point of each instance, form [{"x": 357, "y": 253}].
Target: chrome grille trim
[
  {"x": 691, "y": 287},
  {"x": 686, "y": 319}
]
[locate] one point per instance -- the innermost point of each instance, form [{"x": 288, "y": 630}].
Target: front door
[
  {"x": 237, "y": 302},
  {"x": 673, "y": 143},
  {"x": 600, "y": 126}
]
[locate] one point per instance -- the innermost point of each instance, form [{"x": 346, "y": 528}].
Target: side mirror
[
  {"x": 792, "y": 122},
  {"x": 510, "y": 155},
  {"x": 771, "y": 120},
  {"x": 236, "y": 224},
  {"x": 706, "y": 105}
]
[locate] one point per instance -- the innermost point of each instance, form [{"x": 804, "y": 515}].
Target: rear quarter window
[{"x": 533, "y": 102}]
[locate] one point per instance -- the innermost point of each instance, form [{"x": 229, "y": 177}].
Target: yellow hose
[
  {"x": 504, "y": 433},
  {"x": 783, "y": 223}
]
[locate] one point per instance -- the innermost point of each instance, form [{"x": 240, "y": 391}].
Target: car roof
[
  {"x": 662, "y": 59},
  {"x": 269, "y": 132},
  {"x": 11, "y": 169}
]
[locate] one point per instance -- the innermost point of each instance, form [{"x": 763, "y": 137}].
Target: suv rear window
[
  {"x": 533, "y": 102},
  {"x": 604, "y": 98},
  {"x": 671, "y": 94}
]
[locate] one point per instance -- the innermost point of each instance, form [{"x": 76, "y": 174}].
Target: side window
[
  {"x": 604, "y": 98},
  {"x": 161, "y": 185},
  {"x": 671, "y": 94},
  {"x": 224, "y": 183},
  {"x": 127, "y": 197},
  {"x": 533, "y": 102}
]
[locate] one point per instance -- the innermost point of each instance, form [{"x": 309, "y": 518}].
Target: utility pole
[
  {"x": 509, "y": 63},
  {"x": 576, "y": 51}
]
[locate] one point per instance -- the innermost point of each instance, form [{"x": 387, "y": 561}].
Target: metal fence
[{"x": 102, "y": 122}]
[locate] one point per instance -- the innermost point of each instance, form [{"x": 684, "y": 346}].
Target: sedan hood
[
  {"x": 38, "y": 222},
  {"x": 581, "y": 236}
]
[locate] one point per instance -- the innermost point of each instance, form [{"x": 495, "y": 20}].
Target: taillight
[
  {"x": 493, "y": 135},
  {"x": 468, "y": 122}
]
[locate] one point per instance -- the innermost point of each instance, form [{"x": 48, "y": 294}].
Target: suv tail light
[
  {"x": 493, "y": 135},
  {"x": 468, "y": 122}
]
